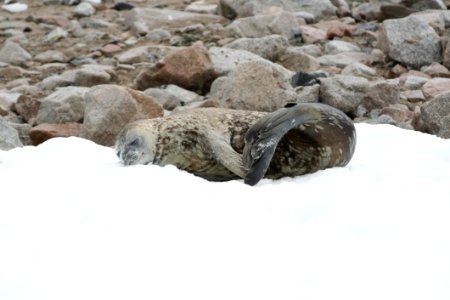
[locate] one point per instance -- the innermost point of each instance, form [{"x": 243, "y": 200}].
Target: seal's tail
[{"x": 262, "y": 138}]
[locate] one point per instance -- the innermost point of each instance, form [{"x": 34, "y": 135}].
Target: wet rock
[
  {"x": 414, "y": 48},
  {"x": 50, "y": 56},
  {"x": 27, "y": 107},
  {"x": 237, "y": 8},
  {"x": 253, "y": 86},
  {"x": 62, "y": 106},
  {"x": 151, "y": 18},
  {"x": 381, "y": 94},
  {"x": 110, "y": 107},
  {"x": 436, "y": 115},
  {"x": 357, "y": 69},
  {"x": 285, "y": 24},
  {"x": 269, "y": 47},
  {"x": 225, "y": 60},
  {"x": 336, "y": 46},
  {"x": 12, "y": 53},
  {"x": 295, "y": 59},
  {"x": 9, "y": 137},
  {"x": 44, "y": 132},
  {"x": 436, "y": 86},
  {"x": 190, "y": 68},
  {"x": 343, "y": 92},
  {"x": 84, "y": 9}
]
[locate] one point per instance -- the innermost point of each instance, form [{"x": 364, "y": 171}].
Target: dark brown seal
[{"x": 224, "y": 144}]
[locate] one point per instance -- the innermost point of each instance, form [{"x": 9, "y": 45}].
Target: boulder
[
  {"x": 27, "y": 107},
  {"x": 381, "y": 94},
  {"x": 173, "y": 96},
  {"x": 414, "y": 48},
  {"x": 295, "y": 59},
  {"x": 436, "y": 86},
  {"x": 436, "y": 70},
  {"x": 343, "y": 92},
  {"x": 225, "y": 60},
  {"x": 189, "y": 67},
  {"x": 13, "y": 54},
  {"x": 84, "y": 9},
  {"x": 7, "y": 101},
  {"x": 110, "y": 107},
  {"x": 435, "y": 115},
  {"x": 253, "y": 86},
  {"x": 238, "y": 8},
  {"x": 62, "y": 106},
  {"x": 269, "y": 47},
  {"x": 9, "y": 138},
  {"x": 44, "y": 132}
]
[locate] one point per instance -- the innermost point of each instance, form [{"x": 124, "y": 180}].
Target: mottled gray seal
[{"x": 224, "y": 144}]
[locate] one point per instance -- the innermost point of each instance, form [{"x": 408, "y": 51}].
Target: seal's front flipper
[
  {"x": 226, "y": 155},
  {"x": 263, "y": 137}
]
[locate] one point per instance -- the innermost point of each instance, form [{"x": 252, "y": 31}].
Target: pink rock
[
  {"x": 435, "y": 87},
  {"x": 43, "y": 132}
]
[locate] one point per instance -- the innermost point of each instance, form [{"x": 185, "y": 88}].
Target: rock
[
  {"x": 9, "y": 137},
  {"x": 307, "y": 79},
  {"x": 44, "y": 132},
  {"x": 312, "y": 50},
  {"x": 296, "y": 60},
  {"x": 412, "y": 82},
  {"x": 365, "y": 12},
  {"x": 148, "y": 53},
  {"x": 436, "y": 115},
  {"x": 436, "y": 86},
  {"x": 412, "y": 96},
  {"x": 202, "y": 7},
  {"x": 158, "y": 35},
  {"x": 343, "y": 92},
  {"x": 399, "y": 112},
  {"x": 424, "y": 4},
  {"x": 7, "y": 101},
  {"x": 50, "y": 56},
  {"x": 336, "y": 46},
  {"x": 27, "y": 107},
  {"x": 10, "y": 72},
  {"x": 110, "y": 49},
  {"x": 84, "y": 9},
  {"x": 190, "y": 68},
  {"x": 381, "y": 94},
  {"x": 173, "y": 96},
  {"x": 152, "y": 18},
  {"x": 62, "y": 106},
  {"x": 414, "y": 48},
  {"x": 434, "y": 18},
  {"x": 436, "y": 70},
  {"x": 285, "y": 24},
  {"x": 393, "y": 11},
  {"x": 110, "y": 107},
  {"x": 308, "y": 93},
  {"x": 23, "y": 130},
  {"x": 311, "y": 34},
  {"x": 253, "y": 86},
  {"x": 269, "y": 47},
  {"x": 357, "y": 69},
  {"x": 12, "y": 53},
  {"x": 238, "y": 8},
  {"x": 344, "y": 59},
  {"x": 55, "y": 35},
  {"x": 225, "y": 60}
]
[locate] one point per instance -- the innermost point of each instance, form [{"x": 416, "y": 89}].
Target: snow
[
  {"x": 76, "y": 224},
  {"x": 15, "y": 7}
]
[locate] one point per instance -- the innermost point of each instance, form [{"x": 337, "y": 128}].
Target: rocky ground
[{"x": 86, "y": 69}]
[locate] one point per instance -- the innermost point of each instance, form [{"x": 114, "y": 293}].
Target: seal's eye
[{"x": 135, "y": 142}]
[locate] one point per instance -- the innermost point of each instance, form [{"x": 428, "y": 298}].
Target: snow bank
[{"x": 75, "y": 224}]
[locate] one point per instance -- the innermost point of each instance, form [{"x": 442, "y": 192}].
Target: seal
[{"x": 223, "y": 144}]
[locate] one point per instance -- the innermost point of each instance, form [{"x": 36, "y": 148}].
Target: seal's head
[{"x": 135, "y": 145}]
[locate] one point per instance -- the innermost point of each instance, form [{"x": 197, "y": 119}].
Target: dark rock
[
  {"x": 122, "y": 6},
  {"x": 44, "y": 132},
  {"x": 306, "y": 79},
  {"x": 436, "y": 115}
]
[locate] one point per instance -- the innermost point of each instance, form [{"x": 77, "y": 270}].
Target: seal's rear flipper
[{"x": 263, "y": 137}]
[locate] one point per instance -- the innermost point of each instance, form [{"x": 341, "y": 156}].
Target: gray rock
[
  {"x": 412, "y": 96},
  {"x": 411, "y": 82},
  {"x": 23, "y": 130},
  {"x": 337, "y": 46},
  {"x": 62, "y": 106},
  {"x": 50, "y": 56},
  {"x": 357, "y": 69},
  {"x": 381, "y": 94},
  {"x": 151, "y": 18},
  {"x": 344, "y": 59},
  {"x": 298, "y": 61},
  {"x": 312, "y": 50},
  {"x": 239, "y": 8},
  {"x": 148, "y": 53},
  {"x": 309, "y": 93},
  {"x": 184, "y": 95},
  {"x": 110, "y": 107},
  {"x": 158, "y": 35},
  {"x": 285, "y": 24},
  {"x": 436, "y": 115},
  {"x": 12, "y": 53},
  {"x": 365, "y": 12},
  {"x": 225, "y": 60},
  {"x": 414, "y": 48},
  {"x": 269, "y": 47},
  {"x": 84, "y": 9},
  {"x": 9, "y": 138},
  {"x": 343, "y": 92},
  {"x": 253, "y": 86},
  {"x": 173, "y": 96},
  {"x": 55, "y": 35},
  {"x": 434, "y": 18}
]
